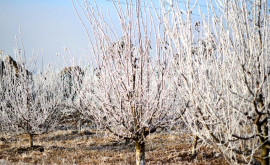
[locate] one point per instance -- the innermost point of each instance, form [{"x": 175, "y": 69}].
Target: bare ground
[{"x": 67, "y": 147}]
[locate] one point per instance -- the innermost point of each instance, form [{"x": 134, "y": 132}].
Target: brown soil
[{"x": 67, "y": 147}]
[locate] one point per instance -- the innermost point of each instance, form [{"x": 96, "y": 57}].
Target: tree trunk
[
  {"x": 264, "y": 155},
  {"x": 263, "y": 130},
  {"x": 140, "y": 152},
  {"x": 194, "y": 145},
  {"x": 264, "y": 146},
  {"x": 31, "y": 140},
  {"x": 79, "y": 126}
]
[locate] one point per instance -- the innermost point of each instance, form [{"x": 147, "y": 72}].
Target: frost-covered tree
[
  {"x": 30, "y": 102},
  {"x": 127, "y": 93},
  {"x": 223, "y": 64},
  {"x": 70, "y": 76}
]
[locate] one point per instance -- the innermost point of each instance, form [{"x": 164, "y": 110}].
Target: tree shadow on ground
[
  {"x": 68, "y": 136},
  {"x": 21, "y": 150}
]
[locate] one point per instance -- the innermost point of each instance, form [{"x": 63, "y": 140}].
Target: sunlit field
[{"x": 69, "y": 147}]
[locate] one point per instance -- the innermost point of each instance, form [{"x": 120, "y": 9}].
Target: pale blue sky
[{"x": 46, "y": 25}]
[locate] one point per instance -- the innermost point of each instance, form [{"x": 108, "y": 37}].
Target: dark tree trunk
[
  {"x": 194, "y": 145},
  {"x": 265, "y": 146}
]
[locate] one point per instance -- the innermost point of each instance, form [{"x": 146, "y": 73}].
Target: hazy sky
[{"x": 46, "y": 25}]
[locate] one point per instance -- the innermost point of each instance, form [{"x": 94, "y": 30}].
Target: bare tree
[
  {"x": 72, "y": 78},
  {"x": 127, "y": 94},
  {"x": 227, "y": 77},
  {"x": 30, "y": 102}
]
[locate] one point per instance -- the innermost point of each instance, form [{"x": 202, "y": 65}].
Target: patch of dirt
[{"x": 69, "y": 147}]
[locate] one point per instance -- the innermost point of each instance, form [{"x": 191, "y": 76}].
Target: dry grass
[{"x": 67, "y": 147}]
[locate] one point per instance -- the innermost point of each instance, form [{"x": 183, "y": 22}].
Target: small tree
[
  {"x": 72, "y": 78},
  {"x": 31, "y": 102},
  {"x": 127, "y": 94}
]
